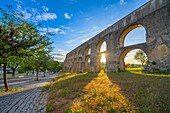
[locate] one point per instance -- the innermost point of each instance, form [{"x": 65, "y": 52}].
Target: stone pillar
[
  {"x": 77, "y": 62},
  {"x": 83, "y": 61},
  {"x": 112, "y": 61},
  {"x": 93, "y": 57},
  {"x": 72, "y": 66},
  {"x": 82, "y": 66},
  {"x": 158, "y": 40}
]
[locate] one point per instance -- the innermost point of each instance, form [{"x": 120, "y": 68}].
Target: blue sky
[{"x": 75, "y": 21}]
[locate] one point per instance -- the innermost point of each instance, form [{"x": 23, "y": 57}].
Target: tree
[
  {"x": 13, "y": 63},
  {"x": 54, "y": 65},
  {"x": 18, "y": 38},
  {"x": 44, "y": 63},
  {"x": 141, "y": 57}
]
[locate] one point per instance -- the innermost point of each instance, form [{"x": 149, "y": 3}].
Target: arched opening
[
  {"x": 132, "y": 58},
  {"x": 101, "y": 60},
  {"x": 134, "y": 34},
  {"x": 80, "y": 53},
  {"x": 87, "y": 50},
  {"x": 101, "y": 46},
  {"x": 87, "y": 64},
  {"x": 75, "y": 54}
]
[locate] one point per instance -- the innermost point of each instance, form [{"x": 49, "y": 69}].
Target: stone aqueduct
[{"x": 154, "y": 16}]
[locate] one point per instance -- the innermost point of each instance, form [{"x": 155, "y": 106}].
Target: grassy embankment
[{"x": 129, "y": 91}]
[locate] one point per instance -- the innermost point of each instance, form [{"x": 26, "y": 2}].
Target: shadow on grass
[
  {"x": 149, "y": 93},
  {"x": 65, "y": 89}
]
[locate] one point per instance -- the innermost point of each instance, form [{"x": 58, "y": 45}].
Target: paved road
[{"x": 31, "y": 100}]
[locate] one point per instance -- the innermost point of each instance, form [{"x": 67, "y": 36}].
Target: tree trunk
[
  {"x": 13, "y": 72},
  {"x": 5, "y": 78},
  {"x": 13, "y": 69},
  {"x": 27, "y": 73},
  {"x": 44, "y": 73},
  {"x": 37, "y": 74},
  {"x": 33, "y": 72}
]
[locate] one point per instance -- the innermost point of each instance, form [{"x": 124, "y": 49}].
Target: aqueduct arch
[
  {"x": 122, "y": 57},
  {"x": 126, "y": 31},
  {"x": 99, "y": 46},
  {"x": 87, "y": 50},
  {"x": 154, "y": 16},
  {"x": 87, "y": 64}
]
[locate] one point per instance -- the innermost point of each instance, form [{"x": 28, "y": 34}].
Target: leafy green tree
[
  {"x": 13, "y": 63},
  {"x": 17, "y": 38},
  {"x": 27, "y": 65},
  {"x": 44, "y": 63},
  {"x": 141, "y": 57},
  {"x": 54, "y": 65}
]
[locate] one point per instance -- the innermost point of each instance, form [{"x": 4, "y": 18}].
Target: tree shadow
[
  {"x": 27, "y": 82},
  {"x": 66, "y": 89}
]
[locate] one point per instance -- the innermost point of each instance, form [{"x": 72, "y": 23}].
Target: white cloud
[
  {"x": 122, "y": 2},
  {"x": 46, "y": 16},
  {"x": 59, "y": 55},
  {"x": 81, "y": 39},
  {"x": 45, "y": 8},
  {"x": 34, "y": 11},
  {"x": 96, "y": 27},
  {"x": 34, "y": 15},
  {"x": 24, "y": 12},
  {"x": 129, "y": 58},
  {"x": 67, "y": 16},
  {"x": 51, "y": 30}
]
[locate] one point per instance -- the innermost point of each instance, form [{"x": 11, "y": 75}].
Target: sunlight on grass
[
  {"x": 126, "y": 91},
  {"x": 135, "y": 69},
  {"x": 11, "y": 90},
  {"x": 101, "y": 96},
  {"x": 65, "y": 89},
  {"x": 139, "y": 72}
]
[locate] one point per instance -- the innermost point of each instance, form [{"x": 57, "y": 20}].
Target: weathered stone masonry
[{"x": 154, "y": 16}]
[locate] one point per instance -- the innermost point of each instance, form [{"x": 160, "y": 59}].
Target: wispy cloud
[
  {"x": 52, "y": 30},
  {"x": 34, "y": 14},
  {"x": 67, "y": 16},
  {"x": 83, "y": 38},
  {"x": 24, "y": 12},
  {"x": 122, "y": 2},
  {"x": 46, "y": 16},
  {"x": 59, "y": 55},
  {"x": 45, "y": 8}
]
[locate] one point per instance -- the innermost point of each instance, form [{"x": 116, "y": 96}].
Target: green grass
[
  {"x": 11, "y": 90},
  {"x": 128, "y": 91},
  {"x": 147, "y": 92}
]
